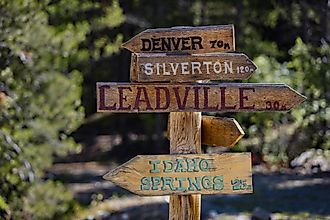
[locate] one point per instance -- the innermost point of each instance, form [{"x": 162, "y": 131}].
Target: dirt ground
[{"x": 285, "y": 195}]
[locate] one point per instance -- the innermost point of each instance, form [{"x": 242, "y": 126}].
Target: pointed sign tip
[
  {"x": 127, "y": 45},
  {"x": 230, "y": 130},
  {"x": 297, "y": 98},
  {"x": 240, "y": 131},
  {"x": 107, "y": 176},
  {"x": 255, "y": 66},
  {"x": 250, "y": 61},
  {"x": 302, "y": 98},
  {"x": 123, "y": 45}
]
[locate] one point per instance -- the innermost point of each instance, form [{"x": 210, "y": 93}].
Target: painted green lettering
[
  {"x": 192, "y": 165},
  {"x": 236, "y": 184},
  {"x": 207, "y": 182},
  {"x": 155, "y": 182},
  {"x": 168, "y": 181},
  {"x": 218, "y": 183},
  {"x": 168, "y": 166},
  {"x": 154, "y": 164},
  {"x": 145, "y": 183},
  {"x": 204, "y": 165},
  {"x": 181, "y": 180},
  {"x": 243, "y": 185},
  {"x": 179, "y": 166},
  {"x": 194, "y": 182}
]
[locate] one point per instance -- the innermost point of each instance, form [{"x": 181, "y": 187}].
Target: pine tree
[{"x": 39, "y": 107}]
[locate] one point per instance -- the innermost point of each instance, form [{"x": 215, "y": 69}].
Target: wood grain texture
[
  {"x": 203, "y": 39},
  {"x": 184, "y": 173},
  {"x": 186, "y": 130},
  {"x": 224, "y": 132},
  {"x": 212, "y": 97},
  {"x": 161, "y": 67}
]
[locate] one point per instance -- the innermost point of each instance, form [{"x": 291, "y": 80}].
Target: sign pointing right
[
  {"x": 160, "y": 67},
  {"x": 224, "y": 132},
  {"x": 210, "y": 97}
]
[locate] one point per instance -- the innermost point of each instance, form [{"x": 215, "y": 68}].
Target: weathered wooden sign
[
  {"x": 204, "y": 39},
  {"x": 224, "y": 132},
  {"x": 225, "y": 97},
  {"x": 160, "y": 67},
  {"x": 185, "y": 174}
]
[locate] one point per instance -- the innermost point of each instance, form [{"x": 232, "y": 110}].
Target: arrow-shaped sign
[
  {"x": 160, "y": 67},
  {"x": 185, "y": 174},
  {"x": 224, "y": 132},
  {"x": 223, "y": 97},
  {"x": 204, "y": 39}
]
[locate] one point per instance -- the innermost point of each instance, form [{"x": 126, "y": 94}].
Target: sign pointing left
[
  {"x": 203, "y": 39},
  {"x": 185, "y": 174}
]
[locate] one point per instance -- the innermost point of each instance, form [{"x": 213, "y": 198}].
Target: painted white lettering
[
  {"x": 184, "y": 68},
  {"x": 217, "y": 69},
  {"x": 196, "y": 66},
  {"x": 148, "y": 69},
  {"x": 228, "y": 67},
  {"x": 174, "y": 68},
  {"x": 207, "y": 64},
  {"x": 165, "y": 73}
]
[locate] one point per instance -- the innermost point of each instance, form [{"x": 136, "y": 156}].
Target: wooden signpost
[
  {"x": 185, "y": 130},
  {"x": 222, "y": 97},
  {"x": 160, "y": 67},
  {"x": 185, "y": 174},
  {"x": 165, "y": 65}
]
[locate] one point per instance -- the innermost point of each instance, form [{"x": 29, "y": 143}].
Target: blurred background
[{"x": 54, "y": 147}]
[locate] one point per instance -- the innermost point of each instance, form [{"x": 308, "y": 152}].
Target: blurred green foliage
[
  {"x": 46, "y": 200},
  {"x": 40, "y": 98},
  {"x": 40, "y": 107},
  {"x": 284, "y": 136},
  {"x": 52, "y": 52}
]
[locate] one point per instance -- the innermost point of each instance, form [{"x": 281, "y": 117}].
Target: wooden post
[
  {"x": 227, "y": 173},
  {"x": 185, "y": 138}
]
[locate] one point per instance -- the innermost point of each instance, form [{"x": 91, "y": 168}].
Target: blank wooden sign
[
  {"x": 222, "y": 97},
  {"x": 185, "y": 174},
  {"x": 203, "y": 39},
  {"x": 147, "y": 67},
  {"x": 224, "y": 132}
]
